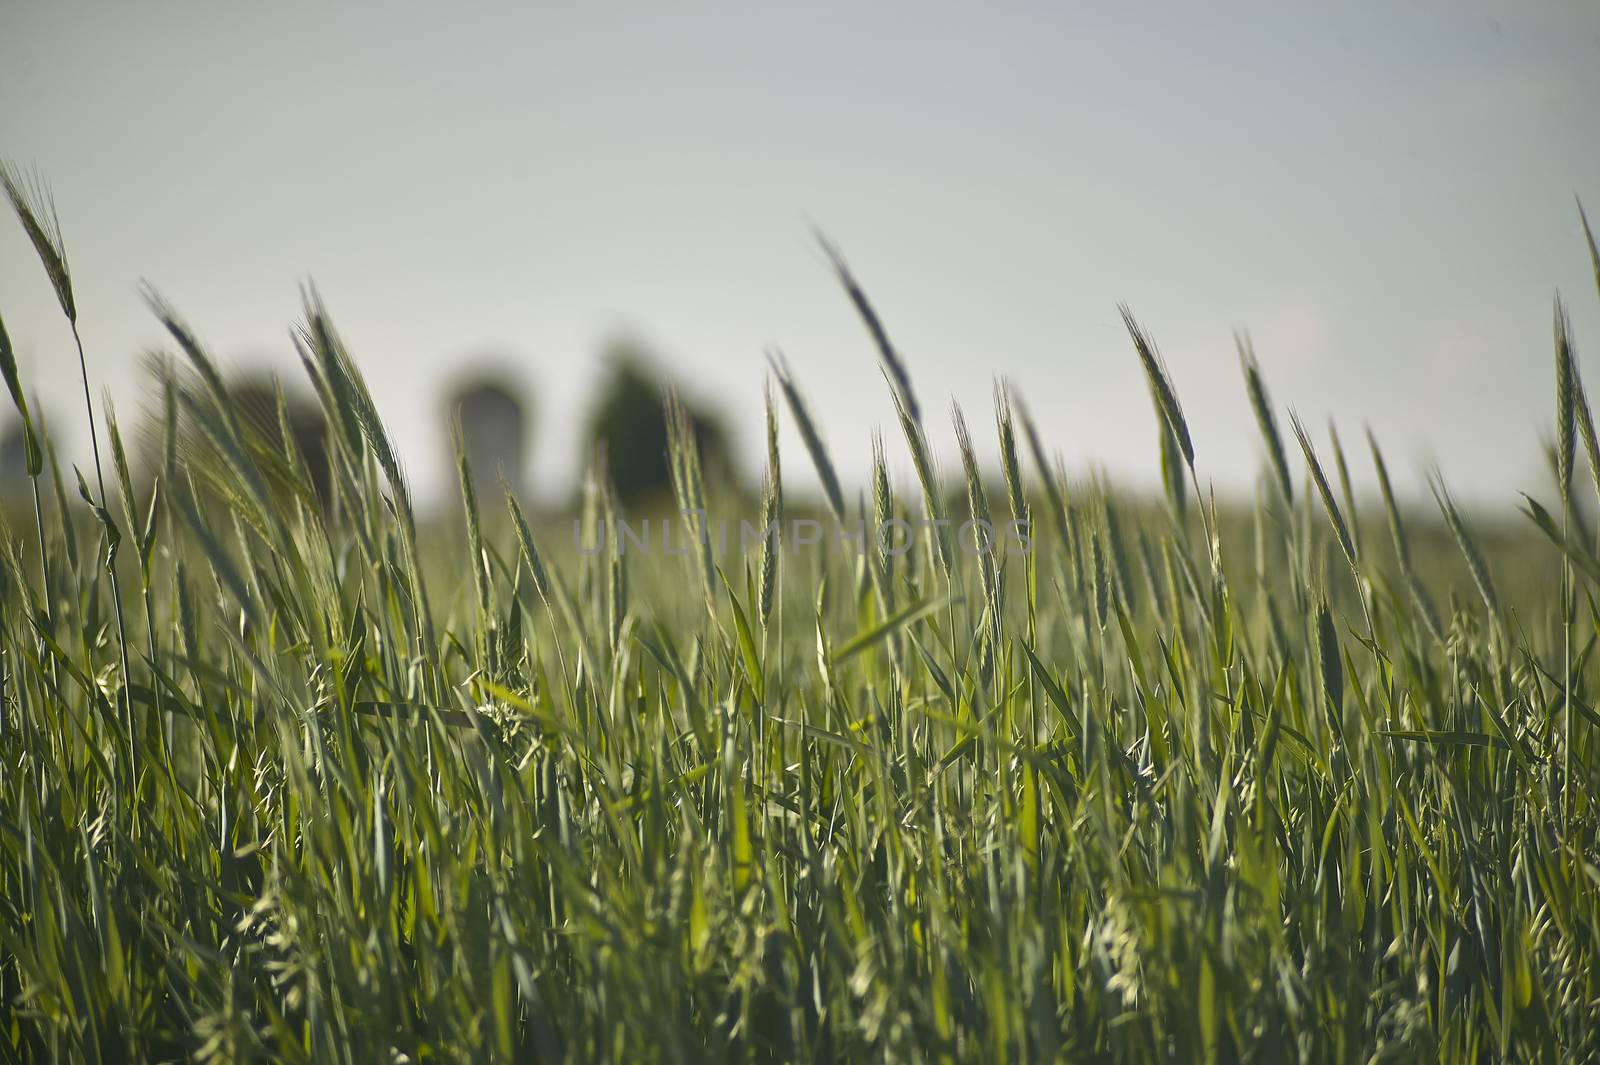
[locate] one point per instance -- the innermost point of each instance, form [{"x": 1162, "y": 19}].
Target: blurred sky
[{"x": 1382, "y": 193}]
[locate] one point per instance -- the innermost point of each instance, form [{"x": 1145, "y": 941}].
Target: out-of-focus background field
[{"x": 1382, "y": 196}]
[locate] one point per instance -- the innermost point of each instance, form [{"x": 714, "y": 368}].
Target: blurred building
[{"x": 494, "y": 431}]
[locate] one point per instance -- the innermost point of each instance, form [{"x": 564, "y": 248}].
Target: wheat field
[{"x": 289, "y": 774}]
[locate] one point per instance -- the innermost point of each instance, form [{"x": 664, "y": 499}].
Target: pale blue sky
[{"x": 1381, "y": 193}]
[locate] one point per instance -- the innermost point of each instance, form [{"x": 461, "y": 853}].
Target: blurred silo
[{"x": 494, "y": 431}]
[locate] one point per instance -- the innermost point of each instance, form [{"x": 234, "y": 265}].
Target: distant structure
[
  {"x": 630, "y": 420},
  {"x": 494, "y": 432}
]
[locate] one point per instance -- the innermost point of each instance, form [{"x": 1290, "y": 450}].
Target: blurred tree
[
  {"x": 13, "y": 461},
  {"x": 256, "y": 396},
  {"x": 629, "y": 420}
]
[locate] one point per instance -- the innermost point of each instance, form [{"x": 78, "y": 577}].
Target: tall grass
[{"x": 349, "y": 787}]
